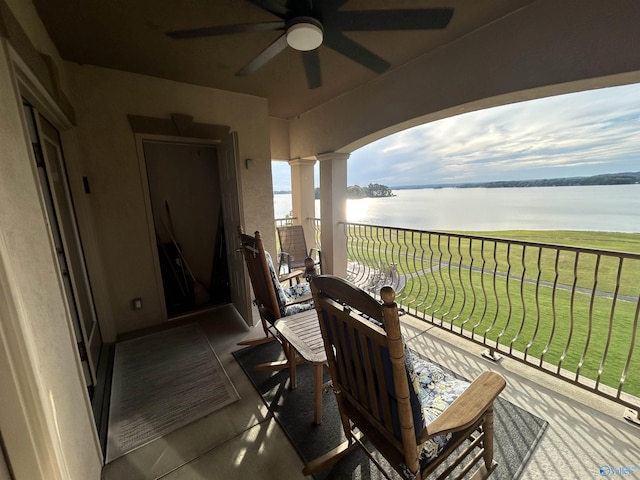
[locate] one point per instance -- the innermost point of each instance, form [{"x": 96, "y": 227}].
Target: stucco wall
[
  {"x": 279, "y": 132},
  {"x": 45, "y": 414},
  {"x": 102, "y": 99},
  {"x": 28, "y": 18},
  {"x": 45, "y": 418}
]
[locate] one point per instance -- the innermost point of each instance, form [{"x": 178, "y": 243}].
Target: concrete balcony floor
[{"x": 585, "y": 432}]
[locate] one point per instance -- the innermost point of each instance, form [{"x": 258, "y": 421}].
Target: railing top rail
[{"x": 570, "y": 248}]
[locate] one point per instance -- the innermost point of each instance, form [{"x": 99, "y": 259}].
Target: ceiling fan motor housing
[{"x": 304, "y": 33}]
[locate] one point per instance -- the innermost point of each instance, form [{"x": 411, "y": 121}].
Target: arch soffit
[{"x": 541, "y": 58}]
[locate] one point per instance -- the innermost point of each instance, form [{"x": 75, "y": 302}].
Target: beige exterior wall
[
  {"x": 45, "y": 418},
  {"x": 108, "y": 156},
  {"x": 28, "y": 18},
  {"x": 279, "y": 133}
]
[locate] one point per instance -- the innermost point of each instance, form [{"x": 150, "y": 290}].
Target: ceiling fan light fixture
[{"x": 305, "y": 35}]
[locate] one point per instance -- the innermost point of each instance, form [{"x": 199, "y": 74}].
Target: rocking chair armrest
[
  {"x": 285, "y": 277},
  {"x": 467, "y": 408},
  {"x": 284, "y": 255}
]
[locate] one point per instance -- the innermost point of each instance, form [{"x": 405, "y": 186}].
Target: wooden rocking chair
[
  {"x": 273, "y": 300},
  {"x": 385, "y": 392}
]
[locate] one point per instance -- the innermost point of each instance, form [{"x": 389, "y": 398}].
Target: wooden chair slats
[
  {"x": 266, "y": 299},
  {"x": 374, "y": 394},
  {"x": 256, "y": 262}
]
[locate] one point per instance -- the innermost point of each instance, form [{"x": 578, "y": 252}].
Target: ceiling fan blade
[
  {"x": 267, "y": 54},
  {"x": 271, "y": 7},
  {"x": 226, "y": 29},
  {"x": 312, "y": 7},
  {"x": 311, "y": 61},
  {"x": 356, "y": 52},
  {"x": 299, "y": 7},
  {"x": 318, "y": 9},
  {"x": 412, "y": 19}
]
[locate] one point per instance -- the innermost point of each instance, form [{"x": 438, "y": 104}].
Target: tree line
[
  {"x": 624, "y": 178},
  {"x": 374, "y": 190},
  {"x": 604, "y": 179}
]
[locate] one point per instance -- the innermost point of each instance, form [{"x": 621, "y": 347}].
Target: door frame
[
  {"x": 67, "y": 240},
  {"x": 241, "y": 295},
  {"x": 140, "y": 138},
  {"x": 32, "y": 442}
]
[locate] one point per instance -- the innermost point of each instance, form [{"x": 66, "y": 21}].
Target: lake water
[{"x": 613, "y": 208}]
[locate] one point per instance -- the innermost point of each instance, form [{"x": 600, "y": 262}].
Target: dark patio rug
[{"x": 517, "y": 432}]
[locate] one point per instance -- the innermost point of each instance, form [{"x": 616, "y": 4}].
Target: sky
[{"x": 578, "y": 134}]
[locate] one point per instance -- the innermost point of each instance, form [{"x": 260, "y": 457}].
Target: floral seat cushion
[
  {"x": 431, "y": 391},
  {"x": 287, "y": 295},
  {"x": 436, "y": 390}
]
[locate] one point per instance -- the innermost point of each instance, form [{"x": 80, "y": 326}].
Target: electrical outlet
[{"x": 136, "y": 303}]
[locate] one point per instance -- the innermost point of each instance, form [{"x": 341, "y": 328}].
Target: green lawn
[{"x": 491, "y": 301}]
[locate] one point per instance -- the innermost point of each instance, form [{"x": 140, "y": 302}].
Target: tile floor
[{"x": 243, "y": 441}]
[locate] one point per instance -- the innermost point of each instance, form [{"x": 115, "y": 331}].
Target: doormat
[
  {"x": 516, "y": 436},
  {"x": 162, "y": 382}
]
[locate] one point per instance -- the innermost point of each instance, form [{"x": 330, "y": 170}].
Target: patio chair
[
  {"x": 293, "y": 249},
  {"x": 413, "y": 412},
  {"x": 273, "y": 300}
]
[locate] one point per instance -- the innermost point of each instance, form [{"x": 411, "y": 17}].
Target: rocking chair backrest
[
  {"x": 264, "y": 288},
  {"x": 413, "y": 412},
  {"x": 366, "y": 356}
]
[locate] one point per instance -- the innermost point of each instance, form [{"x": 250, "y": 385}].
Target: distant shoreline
[{"x": 624, "y": 178}]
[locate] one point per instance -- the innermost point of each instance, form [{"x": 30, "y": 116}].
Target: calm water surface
[{"x": 614, "y": 208}]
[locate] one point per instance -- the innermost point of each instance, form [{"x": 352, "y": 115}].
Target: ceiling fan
[{"x": 308, "y": 24}]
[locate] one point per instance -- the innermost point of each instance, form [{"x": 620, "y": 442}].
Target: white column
[
  {"x": 333, "y": 211},
  {"x": 303, "y": 194}
]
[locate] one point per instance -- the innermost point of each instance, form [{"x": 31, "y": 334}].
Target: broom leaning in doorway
[{"x": 200, "y": 293}]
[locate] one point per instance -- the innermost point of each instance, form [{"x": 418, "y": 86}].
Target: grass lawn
[{"x": 552, "y": 315}]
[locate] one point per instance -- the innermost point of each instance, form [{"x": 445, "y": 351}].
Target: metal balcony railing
[
  {"x": 284, "y": 222},
  {"x": 571, "y": 312}
]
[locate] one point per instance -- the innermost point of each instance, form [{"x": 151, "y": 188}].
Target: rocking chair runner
[{"x": 410, "y": 410}]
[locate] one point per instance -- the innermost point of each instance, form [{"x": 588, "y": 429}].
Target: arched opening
[
  {"x": 578, "y": 134},
  {"x": 583, "y": 138}
]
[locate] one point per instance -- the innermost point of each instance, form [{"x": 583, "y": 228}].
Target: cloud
[
  {"x": 570, "y": 135},
  {"x": 281, "y": 176}
]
